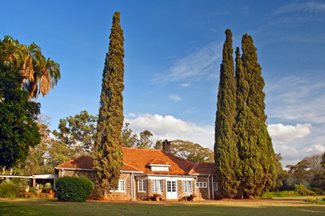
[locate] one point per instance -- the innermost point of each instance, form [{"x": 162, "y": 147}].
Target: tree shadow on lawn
[{"x": 53, "y": 207}]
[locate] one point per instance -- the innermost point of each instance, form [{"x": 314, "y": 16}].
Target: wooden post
[{"x": 34, "y": 182}]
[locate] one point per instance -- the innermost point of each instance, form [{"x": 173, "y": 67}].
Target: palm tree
[{"x": 38, "y": 74}]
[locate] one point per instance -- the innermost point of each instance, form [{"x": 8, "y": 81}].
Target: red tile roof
[{"x": 139, "y": 160}]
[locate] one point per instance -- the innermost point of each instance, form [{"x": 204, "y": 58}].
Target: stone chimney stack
[{"x": 166, "y": 146}]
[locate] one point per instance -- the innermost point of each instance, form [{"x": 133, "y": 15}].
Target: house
[{"x": 153, "y": 174}]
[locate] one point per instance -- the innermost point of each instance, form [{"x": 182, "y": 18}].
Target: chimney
[{"x": 166, "y": 146}]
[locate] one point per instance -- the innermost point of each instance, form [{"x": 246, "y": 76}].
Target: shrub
[
  {"x": 303, "y": 190},
  {"x": 32, "y": 189},
  {"x": 9, "y": 189},
  {"x": 73, "y": 188},
  {"x": 47, "y": 187},
  {"x": 280, "y": 194}
]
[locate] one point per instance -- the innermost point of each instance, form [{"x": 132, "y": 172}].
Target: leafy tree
[
  {"x": 18, "y": 129},
  {"x": 158, "y": 145},
  {"x": 77, "y": 131},
  {"x": 254, "y": 143},
  {"x": 225, "y": 148},
  {"x": 305, "y": 170},
  {"x": 144, "y": 142},
  {"x": 190, "y": 151},
  {"x": 282, "y": 174},
  {"x": 129, "y": 138},
  {"x": 43, "y": 157},
  {"x": 39, "y": 74},
  {"x": 323, "y": 160},
  {"x": 108, "y": 156},
  {"x": 36, "y": 161}
]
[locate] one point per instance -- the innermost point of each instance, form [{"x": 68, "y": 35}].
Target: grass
[{"x": 35, "y": 207}]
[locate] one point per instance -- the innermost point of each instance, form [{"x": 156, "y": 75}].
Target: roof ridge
[{"x": 141, "y": 149}]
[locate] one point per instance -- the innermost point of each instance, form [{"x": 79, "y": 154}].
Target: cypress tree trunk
[
  {"x": 226, "y": 153},
  {"x": 254, "y": 143},
  {"x": 108, "y": 156}
]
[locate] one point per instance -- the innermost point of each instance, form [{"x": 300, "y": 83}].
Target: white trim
[
  {"x": 216, "y": 186},
  {"x": 13, "y": 176},
  {"x": 172, "y": 195},
  {"x": 187, "y": 186},
  {"x": 142, "y": 185},
  {"x": 118, "y": 188},
  {"x": 201, "y": 184},
  {"x": 160, "y": 165},
  {"x": 44, "y": 176},
  {"x": 130, "y": 171},
  {"x": 165, "y": 177},
  {"x": 154, "y": 186},
  {"x": 212, "y": 188}
]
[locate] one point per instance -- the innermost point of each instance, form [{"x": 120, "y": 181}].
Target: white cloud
[
  {"x": 292, "y": 100},
  {"x": 185, "y": 85},
  {"x": 175, "y": 97},
  {"x": 199, "y": 64},
  {"x": 169, "y": 127},
  {"x": 289, "y": 140},
  {"x": 288, "y": 132},
  {"x": 306, "y": 7},
  {"x": 300, "y": 99}
]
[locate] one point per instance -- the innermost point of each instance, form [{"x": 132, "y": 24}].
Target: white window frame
[
  {"x": 120, "y": 187},
  {"x": 187, "y": 187},
  {"x": 201, "y": 184},
  {"x": 142, "y": 185},
  {"x": 215, "y": 186},
  {"x": 155, "y": 188}
]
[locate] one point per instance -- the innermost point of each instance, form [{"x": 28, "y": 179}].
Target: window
[
  {"x": 121, "y": 185},
  {"x": 215, "y": 186},
  {"x": 142, "y": 185},
  {"x": 171, "y": 186},
  {"x": 201, "y": 184},
  {"x": 187, "y": 186},
  {"x": 157, "y": 186}
]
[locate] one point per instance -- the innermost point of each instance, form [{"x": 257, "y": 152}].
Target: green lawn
[{"x": 31, "y": 207}]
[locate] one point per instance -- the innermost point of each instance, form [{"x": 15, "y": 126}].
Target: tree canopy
[
  {"x": 18, "y": 128},
  {"x": 191, "y": 151},
  {"x": 39, "y": 74},
  {"x": 77, "y": 131}
]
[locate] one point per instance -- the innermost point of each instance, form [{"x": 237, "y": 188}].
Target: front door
[{"x": 171, "y": 189}]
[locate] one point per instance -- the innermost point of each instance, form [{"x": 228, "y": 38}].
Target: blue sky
[{"x": 172, "y": 58}]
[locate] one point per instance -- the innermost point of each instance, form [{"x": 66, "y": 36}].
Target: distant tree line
[{"x": 75, "y": 136}]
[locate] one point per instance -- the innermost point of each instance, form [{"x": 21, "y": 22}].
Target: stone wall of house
[
  {"x": 202, "y": 193},
  {"x": 126, "y": 195}
]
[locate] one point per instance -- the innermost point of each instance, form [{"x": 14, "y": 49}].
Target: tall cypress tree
[
  {"x": 254, "y": 143},
  {"x": 226, "y": 153},
  {"x": 108, "y": 156}
]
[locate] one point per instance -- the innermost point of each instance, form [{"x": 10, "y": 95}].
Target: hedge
[
  {"x": 76, "y": 189},
  {"x": 8, "y": 189}
]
